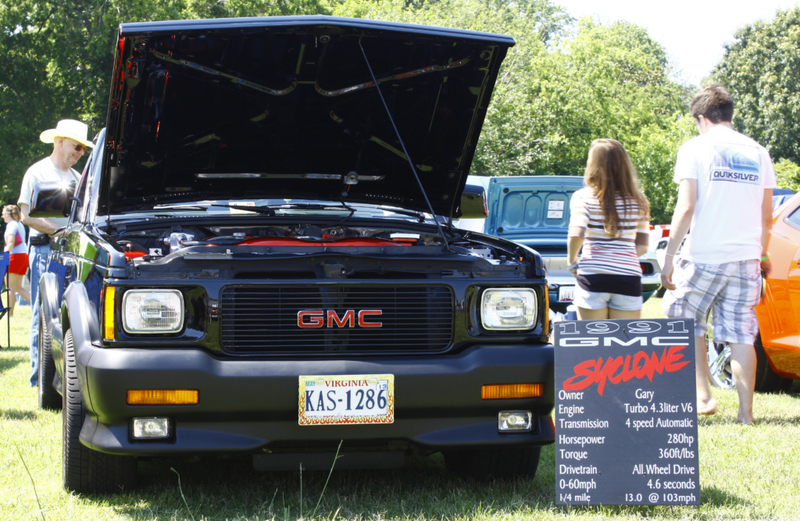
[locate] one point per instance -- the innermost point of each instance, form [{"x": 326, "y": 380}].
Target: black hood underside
[{"x": 288, "y": 108}]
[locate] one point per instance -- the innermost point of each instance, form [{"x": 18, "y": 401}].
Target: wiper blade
[
  {"x": 271, "y": 208},
  {"x": 411, "y": 213},
  {"x": 265, "y": 210},
  {"x": 178, "y": 207},
  {"x": 313, "y": 206}
]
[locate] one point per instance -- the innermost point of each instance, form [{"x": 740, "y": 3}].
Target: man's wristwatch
[{"x": 573, "y": 266}]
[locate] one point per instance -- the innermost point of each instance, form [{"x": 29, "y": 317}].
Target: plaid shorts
[{"x": 731, "y": 289}]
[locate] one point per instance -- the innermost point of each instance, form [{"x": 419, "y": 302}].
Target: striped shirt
[{"x": 603, "y": 253}]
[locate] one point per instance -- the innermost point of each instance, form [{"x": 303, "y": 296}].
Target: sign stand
[{"x": 626, "y": 425}]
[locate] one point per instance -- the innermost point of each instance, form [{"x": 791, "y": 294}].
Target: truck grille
[{"x": 266, "y": 318}]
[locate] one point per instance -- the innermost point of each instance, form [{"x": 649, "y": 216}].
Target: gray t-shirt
[{"x": 44, "y": 170}]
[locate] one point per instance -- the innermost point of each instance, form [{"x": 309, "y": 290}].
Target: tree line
[{"x": 565, "y": 83}]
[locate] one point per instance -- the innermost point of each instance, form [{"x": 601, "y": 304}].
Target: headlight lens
[
  {"x": 152, "y": 311},
  {"x": 508, "y": 309}
]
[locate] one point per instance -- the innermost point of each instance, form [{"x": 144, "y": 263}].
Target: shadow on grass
[
  {"x": 221, "y": 488},
  {"x": 14, "y": 349},
  {"x": 777, "y": 421},
  {"x": 719, "y": 498},
  {"x": 17, "y": 414},
  {"x": 7, "y": 364}
]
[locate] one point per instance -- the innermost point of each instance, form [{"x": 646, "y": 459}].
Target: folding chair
[{"x": 4, "y": 260}]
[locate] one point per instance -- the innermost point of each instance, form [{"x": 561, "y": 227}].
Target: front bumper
[{"x": 251, "y": 405}]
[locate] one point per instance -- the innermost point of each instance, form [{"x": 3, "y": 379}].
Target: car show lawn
[{"x": 745, "y": 473}]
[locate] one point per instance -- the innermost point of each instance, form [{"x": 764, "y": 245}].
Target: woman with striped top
[{"x": 609, "y": 219}]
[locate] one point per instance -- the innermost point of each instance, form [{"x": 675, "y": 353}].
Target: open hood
[{"x": 287, "y": 107}]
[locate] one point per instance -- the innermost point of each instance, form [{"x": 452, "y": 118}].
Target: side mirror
[
  {"x": 473, "y": 202},
  {"x": 52, "y": 199}
]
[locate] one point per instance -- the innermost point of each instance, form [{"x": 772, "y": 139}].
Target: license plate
[
  {"x": 566, "y": 293},
  {"x": 346, "y": 399}
]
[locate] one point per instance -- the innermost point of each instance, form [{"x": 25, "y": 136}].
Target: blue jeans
[{"x": 38, "y": 264}]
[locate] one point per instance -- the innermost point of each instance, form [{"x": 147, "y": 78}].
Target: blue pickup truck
[{"x": 534, "y": 211}]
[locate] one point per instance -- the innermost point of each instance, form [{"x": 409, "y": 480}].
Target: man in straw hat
[{"x": 70, "y": 141}]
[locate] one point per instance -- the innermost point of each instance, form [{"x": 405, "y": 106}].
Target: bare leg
[
  {"x": 15, "y": 283},
  {"x": 743, "y": 367},
  {"x": 592, "y": 314},
  {"x": 623, "y": 314},
  {"x": 706, "y": 404}
]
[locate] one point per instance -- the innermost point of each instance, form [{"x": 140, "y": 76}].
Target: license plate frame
[
  {"x": 341, "y": 408},
  {"x": 566, "y": 293}
]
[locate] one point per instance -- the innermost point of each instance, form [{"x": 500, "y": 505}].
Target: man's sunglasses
[{"x": 78, "y": 146}]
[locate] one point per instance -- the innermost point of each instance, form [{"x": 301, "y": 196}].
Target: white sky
[{"x": 692, "y": 31}]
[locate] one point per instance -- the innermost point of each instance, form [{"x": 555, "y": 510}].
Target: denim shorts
[
  {"x": 731, "y": 289},
  {"x": 590, "y": 300}
]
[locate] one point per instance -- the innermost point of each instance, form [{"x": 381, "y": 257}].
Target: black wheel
[
  {"x": 767, "y": 380},
  {"x": 49, "y": 398},
  {"x": 86, "y": 471},
  {"x": 483, "y": 465}
]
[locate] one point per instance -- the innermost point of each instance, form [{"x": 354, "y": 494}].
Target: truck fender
[
  {"x": 48, "y": 295},
  {"x": 48, "y": 292},
  {"x": 79, "y": 315}
]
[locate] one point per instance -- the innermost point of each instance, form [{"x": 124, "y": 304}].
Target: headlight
[
  {"x": 508, "y": 309},
  {"x": 152, "y": 311}
]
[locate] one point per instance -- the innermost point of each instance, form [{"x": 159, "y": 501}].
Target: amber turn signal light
[
  {"x": 506, "y": 391},
  {"x": 108, "y": 315},
  {"x": 163, "y": 397}
]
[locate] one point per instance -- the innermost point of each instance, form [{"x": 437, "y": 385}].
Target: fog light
[
  {"x": 151, "y": 428},
  {"x": 514, "y": 421}
]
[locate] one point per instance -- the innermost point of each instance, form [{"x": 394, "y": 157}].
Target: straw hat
[{"x": 68, "y": 128}]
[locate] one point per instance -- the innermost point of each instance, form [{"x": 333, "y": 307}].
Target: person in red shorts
[{"x": 15, "y": 243}]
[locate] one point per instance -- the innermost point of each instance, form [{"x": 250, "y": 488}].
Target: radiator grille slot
[{"x": 264, "y": 318}]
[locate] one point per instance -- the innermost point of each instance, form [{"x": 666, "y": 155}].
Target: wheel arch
[
  {"x": 48, "y": 295},
  {"x": 80, "y": 315}
]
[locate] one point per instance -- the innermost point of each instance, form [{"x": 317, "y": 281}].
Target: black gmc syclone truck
[{"x": 260, "y": 259}]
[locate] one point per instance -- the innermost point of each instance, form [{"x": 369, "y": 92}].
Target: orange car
[{"x": 778, "y": 343}]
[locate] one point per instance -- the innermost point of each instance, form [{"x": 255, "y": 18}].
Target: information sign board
[{"x": 626, "y": 424}]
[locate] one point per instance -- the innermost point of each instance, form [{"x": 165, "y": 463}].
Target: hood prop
[{"x": 403, "y": 145}]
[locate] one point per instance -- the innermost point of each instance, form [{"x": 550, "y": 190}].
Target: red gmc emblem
[{"x": 317, "y": 318}]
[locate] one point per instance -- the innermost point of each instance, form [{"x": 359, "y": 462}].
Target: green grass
[{"x": 745, "y": 473}]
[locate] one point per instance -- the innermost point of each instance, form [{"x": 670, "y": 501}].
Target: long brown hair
[
  {"x": 610, "y": 173},
  {"x": 14, "y": 211}
]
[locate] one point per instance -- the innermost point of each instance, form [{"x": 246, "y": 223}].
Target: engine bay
[{"x": 155, "y": 243}]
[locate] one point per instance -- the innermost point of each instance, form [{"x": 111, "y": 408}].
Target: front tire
[
  {"x": 500, "y": 464},
  {"x": 49, "y": 399},
  {"x": 86, "y": 471},
  {"x": 767, "y": 380}
]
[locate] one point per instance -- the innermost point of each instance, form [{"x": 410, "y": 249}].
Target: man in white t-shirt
[
  {"x": 725, "y": 196},
  {"x": 70, "y": 141}
]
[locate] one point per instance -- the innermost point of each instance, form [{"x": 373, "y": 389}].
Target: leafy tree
[
  {"x": 761, "y": 68},
  {"x": 56, "y": 60},
  {"x": 558, "y": 88},
  {"x": 558, "y": 91},
  {"x": 787, "y": 174}
]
